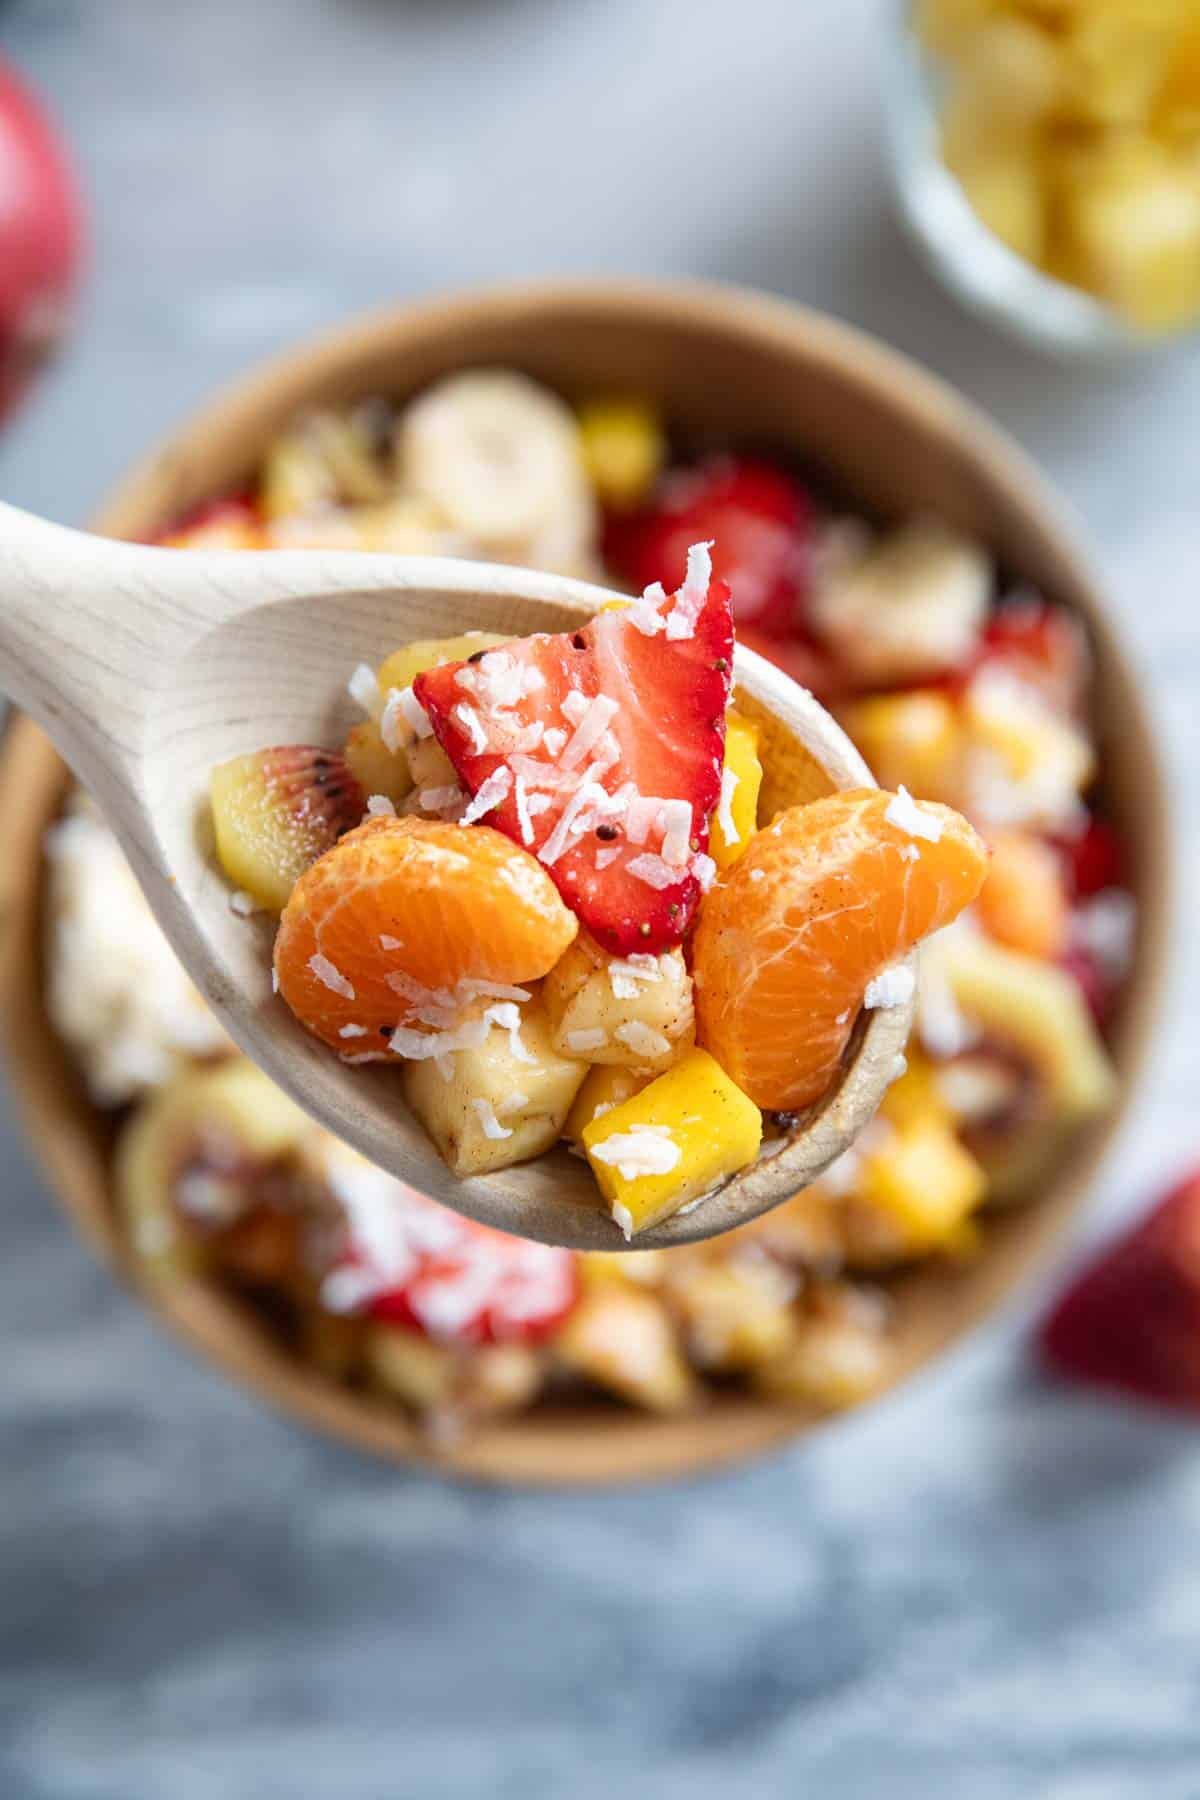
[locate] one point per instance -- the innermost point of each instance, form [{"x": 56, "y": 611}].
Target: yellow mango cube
[
  {"x": 606, "y": 1086},
  {"x": 624, "y": 448},
  {"x": 914, "y": 1098},
  {"x": 684, "y": 1133},
  {"x": 924, "y": 1182},
  {"x": 736, "y": 818},
  {"x": 910, "y": 740}
]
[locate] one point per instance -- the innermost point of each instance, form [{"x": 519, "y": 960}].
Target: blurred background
[{"x": 985, "y": 1581}]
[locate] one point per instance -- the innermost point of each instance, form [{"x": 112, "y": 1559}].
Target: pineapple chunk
[
  {"x": 838, "y": 1356},
  {"x": 404, "y": 525},
  {"x": 621, "y": 1337},
  {"x": 624, "y": 449},
  {"x": 434, "y": 1378},
  {"x": 910, "y": 740},
  {"x": 1116, "y": 58},
  {"x": 1132, "y": 231},
  {"x": 945, "y": 26},
  {"x": 736, "y": 1314},
  {"x": 1008, "y": 77},
  {"x": 401, "y": 668},
  {"x": 409, "y": 1365},
  {"x": 606, "y": 1086},
  {"x": 430, "y": 768},
  {"x": 924, "y": 1183},
  {"x": 377, "y": 769},
  {"x": 1004, "y": 184},
  {"x": 1025, "y": 764},
  {"x": 296, "y": 480},
  {"x": 736, "y": 819},
  {"x": 234, "y": 1110},
  {"x": 1037, "y": 1008},
  {"x": 681, "y": 1136},
  {"x": 497, "y": 1107},
  {"x": 635, "y": 1012}
]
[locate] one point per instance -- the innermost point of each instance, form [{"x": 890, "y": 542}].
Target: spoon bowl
[{"x": 147, "y": 667}]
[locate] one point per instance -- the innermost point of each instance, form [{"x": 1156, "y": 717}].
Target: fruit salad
[
  {"x": 544, "y": 907},
  {"x": 1074, "y": 132},
  {"x": 959, "y": 689}
]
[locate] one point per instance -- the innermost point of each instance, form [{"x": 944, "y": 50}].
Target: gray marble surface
[{"x": 985, "y": 1587}]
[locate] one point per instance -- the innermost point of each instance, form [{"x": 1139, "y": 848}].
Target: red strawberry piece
[
  {"x": 415, "y": 1264},
  {"x": 1132, "y": 1319},
  {"x": 759, "y": 519},
  {"x": 1095, "y": 983},
  {"x": 1045, "y": 645},
  {"x": 231, "y": 524},
  {"x": 1095, "y": 859},
  {"x": 601, "y": 751},
  {"x": 40, "y": 237},
  {"x": 799, "y": 656}
]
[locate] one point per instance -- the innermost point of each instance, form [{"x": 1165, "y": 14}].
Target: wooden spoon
[{"x": 148, "y": 666}]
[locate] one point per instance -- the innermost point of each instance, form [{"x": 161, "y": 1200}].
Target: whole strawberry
[
  {"x": 1131, "y": 1321},
  {"x": 40, "y": 237}
]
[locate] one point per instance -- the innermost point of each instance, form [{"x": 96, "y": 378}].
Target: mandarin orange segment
[
  {"x": 817, "y": 907},
  {"x": 383, "y": 928}
]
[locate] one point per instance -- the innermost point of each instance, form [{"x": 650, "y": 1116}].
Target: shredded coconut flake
[
  {"x": 904, "y": 813},
  {"x": 892, "y": 987},
  {"x": 353, "y": 1031},
  {"x": 642, "y": 1150},
  {"x": 489, "y": 795},
  {"x": 606, "y": 857},
  {"x": 758, "y": 875},
  {"x": 681, "y": 620},
  {"x": 380, "y": 807},
  {"x": 472, "y": 727},
  {"x": 492, "y": 1128},
  {"x": 243, "y": 904},
  {"x": 553, "y": 740},
  {"x": 622, "y": 1217},
  {"x": 598, "y": 713},
  {"x": 524, "y": 822},
  {"x": 437, "y": 799},
  {"x": 642, "y": 1039},
  {"x": 580, "y": 1042},
  {"x": 653, "y": 870},
  {"x": 363, "y": 689},
  {"x": 410, "y": 708},
  {"x": 729, "y": 830},
  {"x": 390, "y": 943},
  {"x": 330, "y": 977},
  {"x": 705, "y": 870},
  {"x": 507, "y": 1015}
]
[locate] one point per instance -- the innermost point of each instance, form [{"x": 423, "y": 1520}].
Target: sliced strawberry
[
  {"x": 1045, "y": 645},
  {"x": 1132, "y": 1320},
  {"x": 799, "y": 656},
  {"x": 601, "y": 751},
  {"x": 760, "y": 520},
  {"x": 415, "y": 1264},
  {"x": 1095, "y": 860}
]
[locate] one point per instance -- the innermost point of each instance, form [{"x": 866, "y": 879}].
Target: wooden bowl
[{"x": 720, "y": 362}]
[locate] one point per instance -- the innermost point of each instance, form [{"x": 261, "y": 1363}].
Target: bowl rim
[{"x": 571, "y": 1445}]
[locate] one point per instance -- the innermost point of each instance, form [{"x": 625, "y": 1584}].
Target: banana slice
[
  {"x": 501, "y": 460},
  {"x": 910, "y": 607}
]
